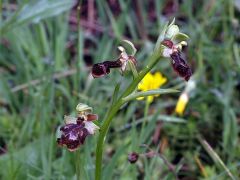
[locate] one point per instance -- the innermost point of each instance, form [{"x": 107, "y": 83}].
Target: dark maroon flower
[
  {"x": 133, "y": 157},
  {"x": 72, "y": 135},
  {"x": 103, "y": 68},
  {"x": 180, "y": 66},
  {"x": 75, "y": 131}
]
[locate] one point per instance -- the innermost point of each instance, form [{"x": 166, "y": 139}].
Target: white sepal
[{"x": 172, "y": 31}]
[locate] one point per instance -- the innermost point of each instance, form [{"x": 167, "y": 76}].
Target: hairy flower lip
[
  {"x": 73, "y": 135},
  {"x": 180, "y": 66},
  {"x": 99, "y": 70},
  {"x": 103, "y": 68}
]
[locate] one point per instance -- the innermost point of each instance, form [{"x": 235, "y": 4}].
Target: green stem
[
  {"x": 135, "y": 95},
  {"x": 101, "y": 138},
  {"x": 153, "y": 59},
  {"x": 78, "y": 169},
  {"x": 146, "y": 109}
]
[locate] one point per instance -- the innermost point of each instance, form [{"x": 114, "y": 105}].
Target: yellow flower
[
  {"x": 181, "y": 104},
  {"x": 150, "y": 82}
]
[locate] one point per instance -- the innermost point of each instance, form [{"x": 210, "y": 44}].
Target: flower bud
[
  {"x": 181, "y": 104},
  {"x": 133, "y": 157},
  {"x": 103, "y": 68}
]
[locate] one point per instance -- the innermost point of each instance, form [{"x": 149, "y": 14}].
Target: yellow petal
[
  {"x": 146, "y": 82},
  {"x": 150, "y": 82},
  {"x": 181, "y": 104},
  {"x": 159, "y": 80},
  {"x": 150, "y": 99}
]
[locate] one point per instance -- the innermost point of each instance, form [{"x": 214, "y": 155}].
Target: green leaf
[
  {"x": 215, "y": 157},
  {"x": 149, "y": 93},
  {"x": 35, "y": 11},
  {"x": 114, "y": 23},
  {"x": 27, "y": 158},
  {"x": 39, "y": 10}
]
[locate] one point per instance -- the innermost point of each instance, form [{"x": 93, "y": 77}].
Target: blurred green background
[{"x": 46, "y": 50}]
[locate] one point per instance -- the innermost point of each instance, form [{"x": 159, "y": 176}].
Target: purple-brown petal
[
  {"x": 92, "y": 117},
  {"x": 180, "y": 66},
  {"x": 167, "y": 43}
]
